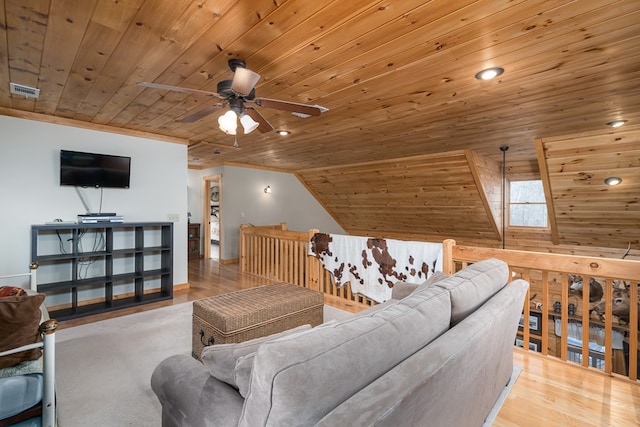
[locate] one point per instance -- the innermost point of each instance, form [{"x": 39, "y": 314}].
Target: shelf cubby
[{"x": 101, "y": 267}]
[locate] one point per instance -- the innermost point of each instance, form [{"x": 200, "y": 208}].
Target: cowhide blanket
[{"x": 373, "y": 266}]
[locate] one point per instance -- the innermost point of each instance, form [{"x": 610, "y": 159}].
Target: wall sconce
[{"x": 267, "y": 189}]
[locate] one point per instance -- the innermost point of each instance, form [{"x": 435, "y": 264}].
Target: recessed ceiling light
[
  {"x": 613, "y": 180},
  {"x": 616, "y": 123},
  {"x": 283, "y": 132},
  {"x": 489, "y": 73}
]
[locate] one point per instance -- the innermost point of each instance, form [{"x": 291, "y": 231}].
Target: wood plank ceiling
[
  {"x": 397, "y": 77},
  {"x": 585, "y": 210}
]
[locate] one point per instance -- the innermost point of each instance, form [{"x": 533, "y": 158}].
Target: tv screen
[{"x": 94, "y": 170}]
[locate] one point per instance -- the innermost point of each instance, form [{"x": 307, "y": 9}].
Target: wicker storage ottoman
[{"x": 252, "y": 313}]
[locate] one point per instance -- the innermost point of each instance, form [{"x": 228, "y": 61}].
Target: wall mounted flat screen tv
[{"x": 94, "y": 170}]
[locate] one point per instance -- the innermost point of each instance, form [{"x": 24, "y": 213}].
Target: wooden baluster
[
  {"x": 608, "y": 325},
  {"x": 545, "y": 312},
  {"x": 585, "y": 320},
  {"x": 564, "y": 314},
  {"x": 633, "y": 330},
  {"x": 526, "y": 332}
]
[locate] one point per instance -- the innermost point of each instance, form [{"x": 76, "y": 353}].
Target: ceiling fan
[{"x": 237, "y": 93}]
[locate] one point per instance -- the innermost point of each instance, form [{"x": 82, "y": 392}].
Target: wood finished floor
[{"x": 547, "y": 393}]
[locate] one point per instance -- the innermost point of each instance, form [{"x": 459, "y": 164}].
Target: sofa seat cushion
[
  {"x": 473, "y": 286},
  {"x": 297, "y": 380}
]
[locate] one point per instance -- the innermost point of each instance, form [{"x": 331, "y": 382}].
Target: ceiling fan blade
[
  {"x": 179, "y": 89},
  {"x": 243, "y": 81},
  {"x": 202, "y": 113},
  {"x": 264, "y": 126},
  {"x": 294, "y": 107}
]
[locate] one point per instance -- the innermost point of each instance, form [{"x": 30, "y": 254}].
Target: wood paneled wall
[
  {"x": 421, "y": 195},
  {"x": 586, "y": 211}
]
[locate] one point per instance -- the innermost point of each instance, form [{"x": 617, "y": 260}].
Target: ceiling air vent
[{"x": 26, "y": 91}]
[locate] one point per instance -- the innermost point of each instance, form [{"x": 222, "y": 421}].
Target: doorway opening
[{"x": 212, "y": 216}]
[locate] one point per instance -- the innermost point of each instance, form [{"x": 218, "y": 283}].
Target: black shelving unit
[{"x": 127, "y": 264}]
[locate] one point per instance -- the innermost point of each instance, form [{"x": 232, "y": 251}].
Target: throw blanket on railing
[{"x": 373, "y": 266}]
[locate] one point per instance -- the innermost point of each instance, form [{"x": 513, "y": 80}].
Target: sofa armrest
[{"x": 190, "y": 396}]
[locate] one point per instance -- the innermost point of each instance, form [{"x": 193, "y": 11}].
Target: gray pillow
[
  {"x": 404, "y": 289},
  {"x": 244, "y": 364},
  {"x": 221, "y": 359}
]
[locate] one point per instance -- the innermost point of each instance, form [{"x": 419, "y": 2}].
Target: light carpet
[{"x": 103, "y": 369}]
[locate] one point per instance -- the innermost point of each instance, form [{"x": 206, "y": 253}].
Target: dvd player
[
  {"x": 93, "y": 219},
  {"x": 99, "y": 214}
]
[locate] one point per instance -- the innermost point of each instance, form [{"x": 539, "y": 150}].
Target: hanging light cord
[{"x": 504, "y": 149}]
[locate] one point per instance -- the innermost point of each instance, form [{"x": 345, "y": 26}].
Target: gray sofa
[{"x": 439, "y": 356}]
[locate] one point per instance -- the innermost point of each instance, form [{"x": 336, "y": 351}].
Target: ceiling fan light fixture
[
  {"x": 248, "y": 124},
  {"x": 489, "y": 73},
  {"x": 228, "y": 122},
  {"x": 616, "y": 123},
  {"x": 243, "y": 81},
  {"x": 283, "y": 132},
  {"x": 613, "y": 180}
]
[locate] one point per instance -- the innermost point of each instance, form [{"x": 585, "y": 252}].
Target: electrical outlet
[{"x": 173, "y": 217}]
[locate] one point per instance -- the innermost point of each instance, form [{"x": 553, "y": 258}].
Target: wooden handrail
[{"x": 548, "y": 275}]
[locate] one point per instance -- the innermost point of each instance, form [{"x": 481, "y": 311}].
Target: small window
[{"x": 527, "y": 206}]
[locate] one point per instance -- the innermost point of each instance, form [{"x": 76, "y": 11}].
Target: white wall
[
  {"x": 30, "y": 192},
  {"x": 243, "y": 201}
]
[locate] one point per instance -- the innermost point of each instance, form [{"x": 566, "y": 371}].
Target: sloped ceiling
[
  {"x": 396, "y": 76},
  {"x": 455, "y": 194},
  {"x": 585, "y": 210}
]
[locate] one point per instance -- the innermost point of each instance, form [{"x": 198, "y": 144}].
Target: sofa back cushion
[
  {"x": 473, "y": 286},
  {"x": 297, "y": 380}
]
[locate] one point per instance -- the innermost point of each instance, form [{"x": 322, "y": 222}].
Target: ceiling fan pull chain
[{"x": 235, "y": 140}]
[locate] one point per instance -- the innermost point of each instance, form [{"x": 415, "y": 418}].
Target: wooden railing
[
  {"x": 276, "y": 253},
  {"x": 279, "y": 254},
  {"x": 548, "y": 302}
]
